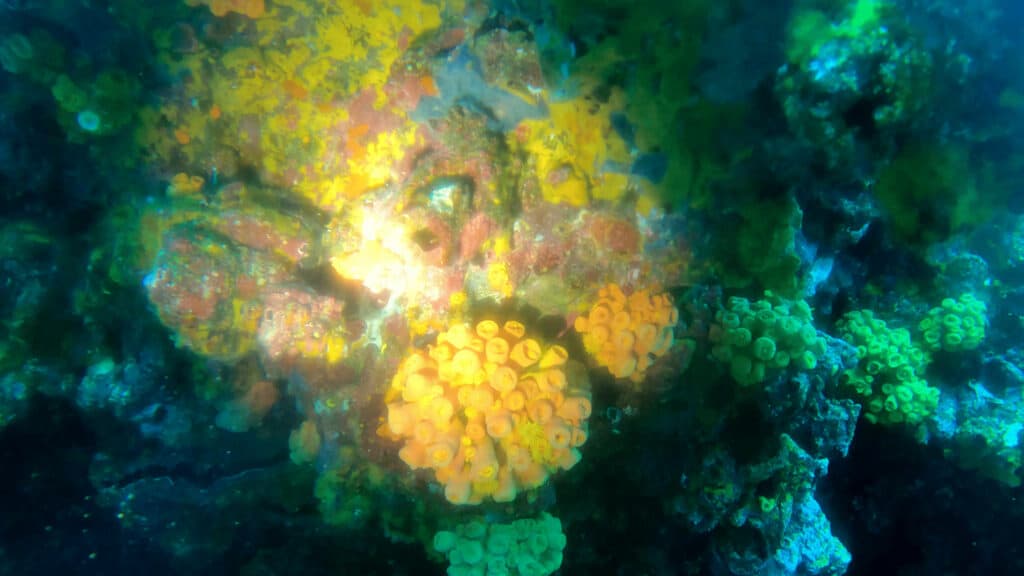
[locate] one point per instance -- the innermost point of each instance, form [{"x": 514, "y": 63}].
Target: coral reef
[{"x": 373, "y": 287}]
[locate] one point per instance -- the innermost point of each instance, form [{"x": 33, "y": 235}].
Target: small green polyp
[
  {"x": 764, "y": 349},
  {"x": 89, "y": 121}
]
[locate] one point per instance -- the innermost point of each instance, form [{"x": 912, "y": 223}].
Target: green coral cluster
[
  {"x": 526, "y": 547},
  {"x": 955, "y": 325},
  {"x": 771, "y": 333},
  {"x": 888, "y": 376}
]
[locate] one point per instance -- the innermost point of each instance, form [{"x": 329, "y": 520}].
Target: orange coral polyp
[
  {"x": 518, "y": 457},
  {"x": 465, "y": 365},
  {"x": 458, "y": 491},
  {"x": 646, "y": 334},
  {"x": 219, "y": 8},
  {"x": 529, "y": 387},
  {"x": 515, "y": 328},
  {"x": 566, "y": 458},
  {"x": 621, "y": 321},
  {"x": 476, "y": 430},
  {"x": 624, "y": 366},
  {"x": 643, "y": 362},
  {"x": 580, "y": 324},
  {"x": 184, "y": 185},
  {"x": 596, "y": 338},
  {"x": 499, "y": 423},
  {"x": 441, "y": 411},
  {"x": 515, "y": 400},
  {"x": 533, "y": 475},
  {"x": 504, "y": 379},
  {"x": 485, "y": 463},
  {"x": 640, "y": 301},
  {"x": 623, "y": 341},
  {"x": 556, "y": 398},
  {"x": 424, "y": 432},
  {"x": 480, "y": 398},
  {"x": 413, "y": 455},
  {"x": 555, "y": 380},
  {"x": 579, "y": 437},
  {"x": 575, "y": 409},
  {"x": 254, "y": 8},
  {"x": 559, "y": 435},
  {"x": 496, "y": 350},
  {"x": 506, "y": 490},
  {"x": 445, "y": 371},
  {"x": 525, "y": 353},
  {"x": 487, "y": 329},
  {"x": 615, "y": 293},
  {"x": 458, "y": 336},
  {"x": 554, "y": 357},
  {"x": 599, "y": 315},
  {"x": 462, "y": 396},
  {"x": 417, "y": 386},
  {"x": 540, "y": 411},
  {"x": 441, "y": 352},
  {"x": 440, "y": 454},
  {"x": 416, "y": 362},
  {"x": 399, "y": 418}
]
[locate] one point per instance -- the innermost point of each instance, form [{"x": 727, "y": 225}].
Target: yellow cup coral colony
[
  {"x": 490, "y": 410},
  {"x": 626, "y": 334}
]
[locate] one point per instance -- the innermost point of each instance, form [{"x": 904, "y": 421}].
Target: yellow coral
[
  {"x": 280, "y": 98},
  {"x": 627, "y": 334},
  {"x": 572, "y": 150},
  {"x": 183, "y": 185},
  {"x": 483, "y": 422}
]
